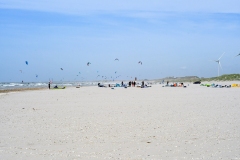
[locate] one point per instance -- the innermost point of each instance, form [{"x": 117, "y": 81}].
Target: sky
[{"x": 171, "y": 38}]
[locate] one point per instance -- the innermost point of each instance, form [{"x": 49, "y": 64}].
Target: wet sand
[
  {"x": 103, "y": 123},
  {"x": 19, "y": 90}
]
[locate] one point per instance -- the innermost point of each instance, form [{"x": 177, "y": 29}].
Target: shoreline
[{"x": 20, "y": 90}]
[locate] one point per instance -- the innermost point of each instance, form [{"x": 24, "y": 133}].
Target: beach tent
[{"x": 117, "y": 85}]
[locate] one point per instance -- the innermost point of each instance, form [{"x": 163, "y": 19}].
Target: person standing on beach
[
  {"x": 49, "y": 85},
  {"x": 142, "y": 84},
  {"x": 129, "y": 83}
]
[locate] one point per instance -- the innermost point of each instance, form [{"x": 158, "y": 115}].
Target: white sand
[{"x": 102, "y": 123}]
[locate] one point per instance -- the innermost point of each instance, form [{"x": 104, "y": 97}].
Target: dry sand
[{"x": 103, "y": 123}]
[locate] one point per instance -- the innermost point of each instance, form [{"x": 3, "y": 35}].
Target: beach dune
[{"x": 134, "y": 123}]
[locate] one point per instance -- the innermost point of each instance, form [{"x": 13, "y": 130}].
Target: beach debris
[
  {"x": 88, "y": 63},
  {"x": 140, "y": 62},
  {"x": 26, "y": 62}
]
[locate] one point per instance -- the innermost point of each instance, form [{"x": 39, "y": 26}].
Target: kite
[
  {"x": 61, "y": 68},
  {"x": 88, "y": 63},
  {"x": 36, "y": 76},
  {"x": 140, "y": 62},
  {"x": 237, "y": 55},
  {"x": 20, "y": 71},
  {"x": 26, "y": 62},
  {"x": 118, "y": 76},
  {"x": 116, "y": 59},
  {"x": 115, "y": 72}
]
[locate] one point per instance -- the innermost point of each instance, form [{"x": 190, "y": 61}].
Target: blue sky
[{"x": 179, "y": 38}]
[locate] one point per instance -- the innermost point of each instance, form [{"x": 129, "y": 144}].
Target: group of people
[
  {"x": 125, "y": 85},
  {"x": 131, "y": 84}
]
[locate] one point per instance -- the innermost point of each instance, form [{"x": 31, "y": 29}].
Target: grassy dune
[{"x": 225, "y": 77}]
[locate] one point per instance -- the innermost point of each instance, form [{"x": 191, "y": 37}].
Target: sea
[{"x": 20, "y": 85}]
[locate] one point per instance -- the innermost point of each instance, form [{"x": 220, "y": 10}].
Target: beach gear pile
[
  {"x": 235, "y": 85},
  {"x": 216, "y": 85},
  {"x": 175, "y": 85}
]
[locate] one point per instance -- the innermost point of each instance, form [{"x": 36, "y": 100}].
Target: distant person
[
  {"x": 122, "y": 83},
  {"x": 142, "y": 83},
  {"x": 49, "y": 85},
  {"x": 167, "y": 83},
  {"x": 129, "y": 83},
  {"x": 134, "y": 83}
]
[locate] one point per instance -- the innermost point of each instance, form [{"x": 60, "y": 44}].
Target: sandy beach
[{"x": 134, "y": 123}]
